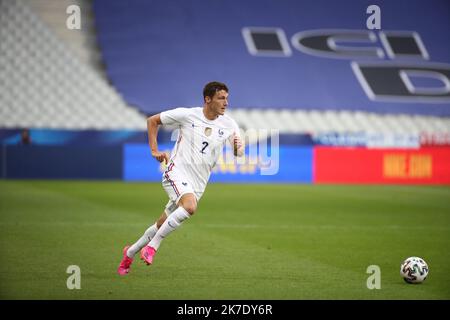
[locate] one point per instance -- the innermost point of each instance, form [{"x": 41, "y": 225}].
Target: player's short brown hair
[{"x": 211, "y": 88}]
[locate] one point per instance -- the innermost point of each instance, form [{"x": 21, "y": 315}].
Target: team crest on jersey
[{"x": 208, "y": 131}]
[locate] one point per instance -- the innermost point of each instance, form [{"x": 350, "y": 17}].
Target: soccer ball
[{"x": 414, "y": 270}]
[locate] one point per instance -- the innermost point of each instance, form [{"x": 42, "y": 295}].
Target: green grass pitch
[{"x": 245, "y": 241}]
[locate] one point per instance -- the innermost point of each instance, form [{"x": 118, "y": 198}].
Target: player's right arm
[{"x": 153, "y": 123}]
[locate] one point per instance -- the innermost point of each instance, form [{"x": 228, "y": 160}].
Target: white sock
[
  {"x": 171, "y": 223},
  {"x": 142, "y": 242}
]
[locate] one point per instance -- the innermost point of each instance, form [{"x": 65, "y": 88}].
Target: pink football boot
[
  {"x": 125, "y": 264},
  {"x": 147, "y": 254}
]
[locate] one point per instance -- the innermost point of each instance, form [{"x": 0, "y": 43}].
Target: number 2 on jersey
[{"x": 205, "y": 144}]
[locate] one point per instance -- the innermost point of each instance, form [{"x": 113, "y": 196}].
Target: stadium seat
[{"x": 46, "y": 83}]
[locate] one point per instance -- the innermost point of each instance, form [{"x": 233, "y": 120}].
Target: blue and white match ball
[{"x": 414, "y": 270}]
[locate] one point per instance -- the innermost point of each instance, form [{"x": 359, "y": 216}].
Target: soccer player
[{"x": 203, "y": 132}]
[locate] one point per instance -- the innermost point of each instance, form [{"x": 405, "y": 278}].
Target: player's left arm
[
  {"x": 238, "y": 145},
  {"x": 236, "y": 141}
]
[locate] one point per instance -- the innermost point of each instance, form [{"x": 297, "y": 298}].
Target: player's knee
[
  {"x": 189, "y": 203},
  {"x": 190, "y": 207}
]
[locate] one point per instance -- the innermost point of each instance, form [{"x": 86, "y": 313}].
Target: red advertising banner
[{"x": 430, "y": 165}]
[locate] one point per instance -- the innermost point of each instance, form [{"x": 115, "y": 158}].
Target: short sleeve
[{"x": 174, "y": 116}]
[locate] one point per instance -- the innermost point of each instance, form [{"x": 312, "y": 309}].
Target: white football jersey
[{"x": 200, "y": 142}]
